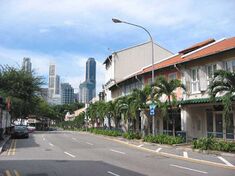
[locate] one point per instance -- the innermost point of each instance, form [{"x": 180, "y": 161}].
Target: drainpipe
[
  {"x": 136, "y": 77},
  {"x": 175, "y": 66}
]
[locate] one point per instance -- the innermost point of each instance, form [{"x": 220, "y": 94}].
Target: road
[{"x": 64, "y": 153}]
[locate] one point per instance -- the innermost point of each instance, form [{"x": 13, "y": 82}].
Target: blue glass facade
[{"x": 88, "y": 87}]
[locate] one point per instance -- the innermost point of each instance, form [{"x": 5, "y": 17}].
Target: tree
[
  {"x": 22, "y": 88},
  {"x": 110, "y": 112},
  {"x": 138, "y": 104},
  {"x": 167, "y": 87},
  {"x": 223, "y": 85}
]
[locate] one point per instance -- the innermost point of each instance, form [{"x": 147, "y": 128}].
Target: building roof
[
  {"x": 197, "y": 51},
  {"x": 208, "y": 47},
  {"x": 197, "y": 45},
  {"x": 135, "y": 46}
]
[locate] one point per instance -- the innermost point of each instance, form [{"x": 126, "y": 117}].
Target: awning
[{"x": 200, "y": 101}]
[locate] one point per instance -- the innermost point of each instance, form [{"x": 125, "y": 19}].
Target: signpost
[{"x": 152, "y": 109}]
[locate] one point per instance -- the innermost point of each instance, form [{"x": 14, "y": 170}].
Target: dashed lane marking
[
  {"x": 116, "y": 151},
  {"x": 67, "y": 153},
  {"x": 158, "y": 150},
  {"x": 225, "y": 161},
  {"x": 187, "y": 168},
  {"x": 111, "y": 173},
  {"x": 193, "y": 160}
]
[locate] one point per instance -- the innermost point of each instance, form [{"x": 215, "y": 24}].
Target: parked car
[
  {"x": 20, "y": 132},
  {"x": 31, "y": 129}
]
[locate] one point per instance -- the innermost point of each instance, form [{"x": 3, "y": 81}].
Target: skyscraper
[
  {"x": 54, "y": 86},
  {"x": 27, "y": 65},
  {"x": 88, "y": 87},
  {"x": 67, "y": 93},
  {"x": 91, "y": 70}
]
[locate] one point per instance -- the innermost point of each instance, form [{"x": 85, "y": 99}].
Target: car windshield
[{"x": 20, "y": 128}]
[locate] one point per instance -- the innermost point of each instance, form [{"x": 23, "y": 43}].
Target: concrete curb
[{"x": 4, "y": 142}]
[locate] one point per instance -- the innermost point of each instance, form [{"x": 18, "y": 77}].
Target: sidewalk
[{"x": 4, "y": 141}]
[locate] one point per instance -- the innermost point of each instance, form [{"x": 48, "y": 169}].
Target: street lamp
[{"x": 152, "y": 51}]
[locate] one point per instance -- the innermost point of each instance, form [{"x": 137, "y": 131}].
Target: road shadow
[{"x": 63, "y": 168}]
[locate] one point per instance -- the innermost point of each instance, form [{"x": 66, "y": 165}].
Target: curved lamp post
[{"x": 152, "y": 52}]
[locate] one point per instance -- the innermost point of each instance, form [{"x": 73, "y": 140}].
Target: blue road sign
[
  {"x": 152, "y": 109},
  {"x": 152, "y": 112}
]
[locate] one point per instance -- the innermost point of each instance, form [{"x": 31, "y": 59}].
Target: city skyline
[{"x": 66, "y": 36}]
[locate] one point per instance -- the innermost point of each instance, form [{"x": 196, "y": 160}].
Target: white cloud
[
  {"x": 44, "y": 30},
  {"x": 96, "y": 12}
]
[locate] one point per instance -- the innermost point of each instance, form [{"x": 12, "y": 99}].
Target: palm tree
[
  {"x": 123, "y": 108},
  {"x": 223, "y": 83},
  {"x": 167, "y": 87},
  {"x": 138, "y": 104},
  {"x": 110, "y": 112}
]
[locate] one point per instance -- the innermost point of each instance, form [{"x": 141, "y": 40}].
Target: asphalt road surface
[{"x": 64, "y": 153}]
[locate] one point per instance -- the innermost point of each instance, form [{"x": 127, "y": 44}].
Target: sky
[{"x": 68, "y": 32}]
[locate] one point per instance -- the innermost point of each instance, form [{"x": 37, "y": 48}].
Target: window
[
  {"x": 172, "y": 76},
  {"x": 195, "y": 80},
  {"x": 210, "y": 69},
  {"x": 230, "y": 66}
]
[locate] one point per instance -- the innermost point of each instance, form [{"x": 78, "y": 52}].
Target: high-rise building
[
  {"x": 91, "y": 70},
  {"x": 88, "y": 87},
  {"x": 67, "y": 93},
  {"x": 54, "y": 86},
  {"x": 27, "y": 65}
]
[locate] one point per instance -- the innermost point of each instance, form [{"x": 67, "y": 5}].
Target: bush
[
  {"x": 211, "y": 143},
  {"x": 131, "y": 135},
  {"x": 163, "y": 139},
  {"x": 105, "y": 132}
]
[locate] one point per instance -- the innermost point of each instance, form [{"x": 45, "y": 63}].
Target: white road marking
[
  {"x": 70, "y": 154},
  {"x": 117, "y": 151},
  {"x": 74, "y": 139},
  {"x": 51, "y": 144},
  {"x": 43, "y": 139},
  {"x": 141, "y": 145},
  {"x": 158, "y": 150},
  {"x": 185, "y": 154},
  {"x": 186, "y": 168},
  {"x": 225, "y": 161},
  {"x": 109, "y": 172},
  {"x": 89, "y": 143}
]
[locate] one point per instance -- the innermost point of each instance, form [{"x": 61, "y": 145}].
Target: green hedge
[
  {"x": 105, "y": 132},
  {"x": 213, "y": 144},
  {"x": 131, "y": 135},
  {"x": 164, "y": 139}
]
